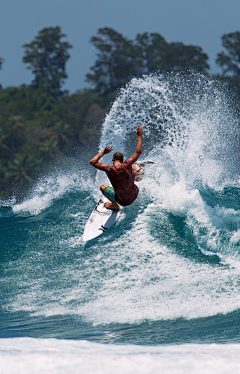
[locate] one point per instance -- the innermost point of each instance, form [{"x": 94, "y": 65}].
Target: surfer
[{"x": 121, "y": 175}]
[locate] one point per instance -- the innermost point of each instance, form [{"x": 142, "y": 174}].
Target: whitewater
[{"x": 160, "y": 290}]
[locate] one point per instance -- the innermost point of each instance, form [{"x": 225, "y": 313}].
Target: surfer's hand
[
  {"x": 107, "y": 150},
  {"x": 139, "y": 130}
]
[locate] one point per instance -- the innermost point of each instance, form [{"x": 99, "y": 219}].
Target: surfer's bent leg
[{"x": 109, "y": 193}]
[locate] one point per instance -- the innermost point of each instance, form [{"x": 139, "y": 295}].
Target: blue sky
[{"x": 196, "y": 22}]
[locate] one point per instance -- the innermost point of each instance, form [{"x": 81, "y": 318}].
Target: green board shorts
[{"x": 110, "y": 193}]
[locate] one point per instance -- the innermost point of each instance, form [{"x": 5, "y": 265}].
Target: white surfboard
[{"x": 100, "y": 220}]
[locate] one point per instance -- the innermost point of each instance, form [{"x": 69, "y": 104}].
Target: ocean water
[{"x": 160, "y": 290}]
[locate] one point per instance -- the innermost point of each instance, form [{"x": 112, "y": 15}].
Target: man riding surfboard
[{"x": 121, "y": 175}]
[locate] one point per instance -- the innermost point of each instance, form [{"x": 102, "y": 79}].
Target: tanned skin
[{"x": 125, "y": 189}]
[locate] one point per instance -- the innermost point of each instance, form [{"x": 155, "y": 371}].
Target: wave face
[{"x": 168, "y": 270}]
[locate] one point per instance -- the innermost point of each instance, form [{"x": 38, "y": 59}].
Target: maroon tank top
[{"x": 122, "y": 180}]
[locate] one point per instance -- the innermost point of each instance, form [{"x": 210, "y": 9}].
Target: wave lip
[{"x": 51, "y": 188}]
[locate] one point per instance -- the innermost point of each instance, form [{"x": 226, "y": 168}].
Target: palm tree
[
  {"x": 61, "y": 134},
  {"x": 15, "y": 131},
  {"x": 3, "y": 147},
  {"x": 49, "y": 148},
  {"x": 19, "y": 169}
]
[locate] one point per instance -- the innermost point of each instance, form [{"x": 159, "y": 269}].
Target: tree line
[{"x": 41, "y": 123}]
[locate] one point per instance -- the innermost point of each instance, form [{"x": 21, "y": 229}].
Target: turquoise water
[{"x": 165, "y": 275}]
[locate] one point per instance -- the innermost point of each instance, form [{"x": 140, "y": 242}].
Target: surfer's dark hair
[{"x": 118, "y": 156}]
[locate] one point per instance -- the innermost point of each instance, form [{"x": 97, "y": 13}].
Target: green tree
[
  {"x": 46, "y": 56},
  {"x": 120, "y": 59},
  {"x": 19, "y": 169},
  {"x": 155, "y": 54},
  {"x": 84, "y": 113},
  {"x": 15, "y": 132},
  {"x": 4, "y": 150},
  {"x": 229, "y": 61},
  {"x": 90, "y": 131},
  {"x": 151, "y": 48},
  {"x": 49, "y": 149},
  {"x": 116, "y": 62},
  {"x": 61, "y": 134},
  {"x": 179, "y": 57}
]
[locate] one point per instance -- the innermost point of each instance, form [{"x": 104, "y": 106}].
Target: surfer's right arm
[{"x": 99, "y": 165}]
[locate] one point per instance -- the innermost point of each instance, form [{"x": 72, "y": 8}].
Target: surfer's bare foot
[{"x": 112, "y": 205}]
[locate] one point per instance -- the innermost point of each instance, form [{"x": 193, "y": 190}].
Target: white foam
[
  {"x": 157, "y": 284},
  {"x": 37, "y": 356},
  {"x": 50, "y": 188}
]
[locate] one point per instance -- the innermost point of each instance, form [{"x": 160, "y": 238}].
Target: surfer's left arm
[
  {"x": 95, "y": 160},
  {"x": 138, "y": 152}
]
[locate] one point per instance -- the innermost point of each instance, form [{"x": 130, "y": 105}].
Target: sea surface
[{"x": 159, "y": 292}]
